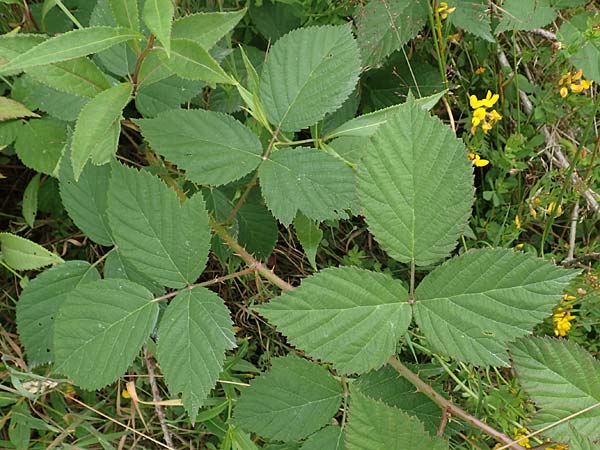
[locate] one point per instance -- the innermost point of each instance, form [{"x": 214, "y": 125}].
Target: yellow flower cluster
[
  {"x": 562, "y": 317},
  {"x": 477, "y": 161},
  {"x": 573, "y": 81},
  {"x": 442, "y": 9},
  {"x": 519, "y": 433},
  {"x": 481, "y": 116}
]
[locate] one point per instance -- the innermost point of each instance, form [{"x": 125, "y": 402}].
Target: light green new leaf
[
  {"x": 415, "y": 185},
  {"x": 191, "y": 61},
  {"x": 367, "y": 124},
  {"x": 163, "y": 239},
  {"x": 30, "y": 200},
  {"x": 307, "y": 180},
  {"x": 40, "y": 144},
  {"x": 473, "y": 305},
  {"x": 291, "y": 401},
  {"x": 69, "y": 45},
  {"x": 193, "y": 336},
  {"x": 309, "y": 234},
  {"x": 126, "y": 13},
  {"x": 385, "y": 26},
  {"x": 158, "y": 17},
  {"x": 95, "y": 130},
  {"x": 206, "y": 29},
  {"x": 330, "y": 438},
  {"x": 350, "y": 317},
  {"x": 23, "y": 254},
  {"x": 309, "y": 72},
  {"x": 473, "y": 16},
  {"x": 39, "y": 303},
  {"x": 562, "y": 379},
  {"x": 212, "y": 148},
  {"x": 373, "y": 425},
  {"x": 525, "y": 15},
  {"x": 107, "y": 319},
  {"x": 10, "y": 109},
  {"x": 86, "y": 200},
  {"x": 78, "y": 76}
]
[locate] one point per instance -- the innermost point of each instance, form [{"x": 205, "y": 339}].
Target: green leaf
[
  {"x": 415, "y": 185},
  {"x": 10, "y": 109},
  {"x": 193, "y": 336},
  {"x": 385, "y": 26},
  {"x": 86, "y": 200},
  {"x": 158, "y": 16},
  {"x": 116, "y": 266},
  {"x": 472, "y": 16},
  {"x": 109, "y": 319},
  {"x": 350, "y": 317},
  {"x": 40, "y": 143},
  {"x": 12, "y": 45},
  {"x": 329, "y": 438},
  {"x": 307, "y": 180},
  {"x": 166, "y": 94},
  {"x": 30, "y": 200},
  {"x": 473, "y": 305},
  {"x": 309, "y": 72},
  {"x": 212, "y": 148},
  {"x": 126, "y": 13},
  {"x": 191, "y": 61},
  {"x": 372, "y": 425},
  {"x": 39, "y": 302},
  {"x": 579, "y": 441},
  {"x": 562, "y": 379},
  {"x": 78, "y": 76},
  {"x": 23, "y": 254},
  {"x": 69, "y": 45},
  {"x": 206, "y": 29},
  {"x": 585, "y": 53},
  {"x": 525, "y": 15},
  {"x": 309, "y": 234},
  {"x": 291, "y": 401},
  {"x": 96, "y": 124},
  {"x": 163, "y": 239},
  {"x": 257, "y": 227}
]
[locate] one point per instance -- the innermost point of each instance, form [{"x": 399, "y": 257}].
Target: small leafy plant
[{"x": 220, "y": 180}]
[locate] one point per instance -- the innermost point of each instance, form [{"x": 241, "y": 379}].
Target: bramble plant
[{"x": 176, "y": 151}]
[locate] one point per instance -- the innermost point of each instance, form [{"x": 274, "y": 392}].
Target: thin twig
[
  {"x": 572, "y": 235},
  {"x": 138, "y": 64},
  {"x": 160, "y": 413}
]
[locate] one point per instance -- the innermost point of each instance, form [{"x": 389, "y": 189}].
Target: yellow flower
[
  {"x": 568, "y": 298},
  {"x": 454, "y": 37},
  {"x": 478, "y": 116},
  {"x": 125, "y": 394},
  {"x": 578, "y": 75},
  {"x": 562, "y": 320},
  {"x": 533, "y": 213},
  {"x": 521, "y": 433},
  {"x": 519, "y": 246},
  {"x": 554, "y": 209},
  {"x": 486, "y": 126},
  {"x": 479, "y": 71},
  {"x": 494, "y": 116},
  {"x": 489, "y": 100},
  {"x": 443, "y": 10},
  {"x": 564, "y": 92},
  {"x": 573, "y": 81},
  {"x": 477, "y": 161},
  {"x": 518, "y": 222}
]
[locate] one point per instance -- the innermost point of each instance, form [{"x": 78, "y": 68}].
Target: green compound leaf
[
  {"x": 350, "y": 317},
  {"x": 191, "y": 61},
  {"x": 100, "y": 328},
  {"x": 385, "y": 26},
  {"x": 525, "y": 15},
  {"x": 206, "y": 29},
  {"x": 309, "y": 72},
  {"x": 307, "y": 180},
  {"x": 373, "y": 425},
  {"x": 86, "y": 200},
  {"x": 39, "y": 303},
  {"x": 158, "y": 16},
  {"x": 193, "y": 336},
  {"x": 212, "y": 148},
  {"x": 163, "y": 239},
  {"x": 23, "y": 254},
  {"x": 40, "y": 144},
  {"x": 68, "y": 46},
  {"x": 10, "y": 109},
  {"x": 562, "y": 379},
  {"x": 96, "y": 122},
  {"x": 415, "y": 185},
  {"x": 473, "y": 305},
  {"x": 291, "y": 401}
]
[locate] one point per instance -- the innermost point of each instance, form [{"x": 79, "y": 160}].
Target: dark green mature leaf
[
  {"x": 257, "y": 227},
  {"x": 116, "y": 266},
  {"x": 291, "y": 401},
  {"x": 69, "y": 45},
  {"x": 309, "y": 73},
  {"x": 39, "y": 303},
  {"x": 307, "y": 180},
  {"x": 12, "y": 45},
  {"x": 30, "y": 200},
  {"x": 473, "y": 305},
  {"x": 309, "y": 234},
  {"x": 563, "y": 379},
  {"x": 350, "y": 317},
  {"x": 415, "y": 185},
  {"x": 23, "y": 254},
  {"x": 40, "y": 143},
  {"x": 328, "y": 438},
  {"x": 11, "y": 109},
  {"x": 473, "y": 16},
  {"x": 579, "y": 441},
  {"x": 372, "y": 425},
  {"x": 126, "y": 13},
  {"x": 158, "y": 16},
  {"x": 109, "y": 319},
  {"x": 193, "y": 336},
  {"x": 163, "y": 239},
  {"x": 166, "y": 94},
  {"x": 525, "y": 15},
  {"x": 86, "y": 200},
  {"x": 94, "y": 135},
  {"x": 206, "y": 29},
  {"x": 385, "y": 26},
  {"x": 212, "y": 148}
]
